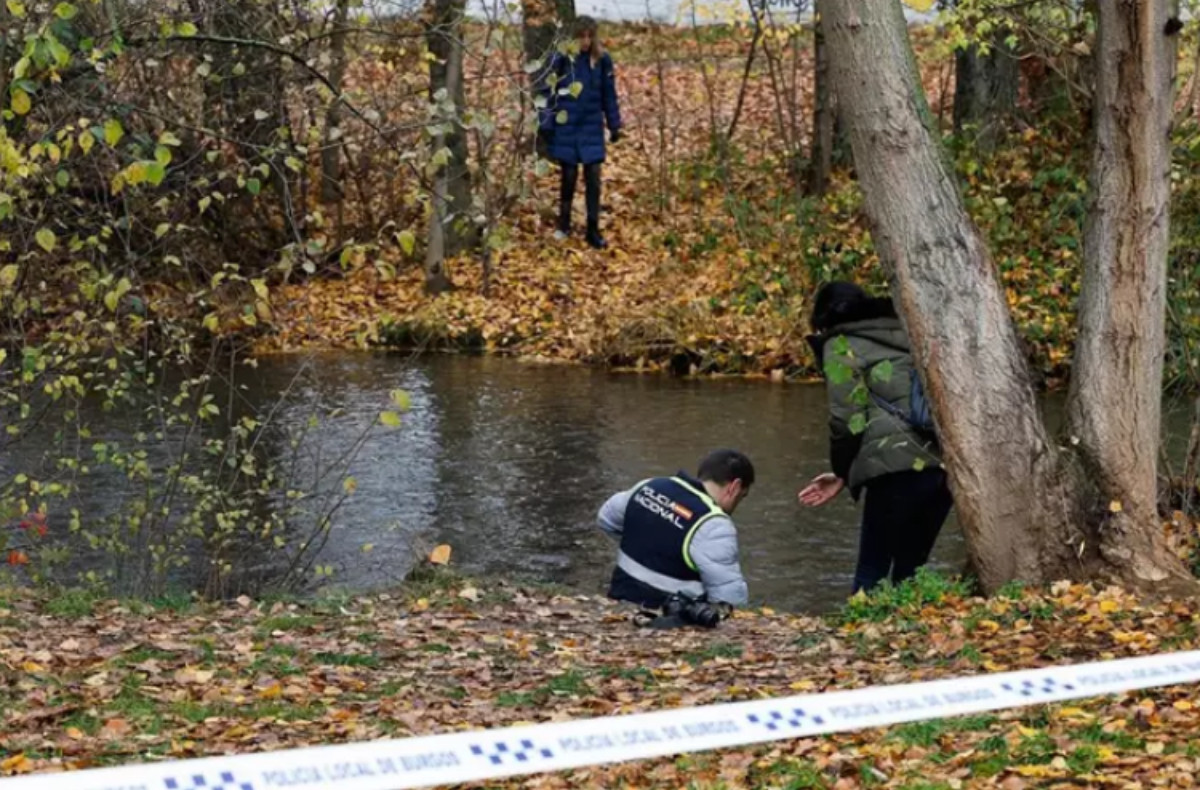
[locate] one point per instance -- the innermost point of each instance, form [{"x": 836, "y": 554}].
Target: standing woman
[
  {"x": 572, "y": 123},
  {"x": 865, "y": 355}
]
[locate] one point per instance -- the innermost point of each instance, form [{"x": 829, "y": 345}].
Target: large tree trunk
[
  {"x": 821, "y": 161},
  {"x": 985, "y": 89},
  {"x": 1027, "y": 510},
  {"x": 1116, "y": 386},
  {"x": 1001, "y": 462},
  {"x": 443, "y": 37}
]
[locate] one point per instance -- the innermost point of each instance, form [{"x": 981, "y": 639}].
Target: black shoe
[{"x": 596, "y": 242}]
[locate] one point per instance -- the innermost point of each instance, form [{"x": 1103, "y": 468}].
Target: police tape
[{"x": 553, "y": 746}]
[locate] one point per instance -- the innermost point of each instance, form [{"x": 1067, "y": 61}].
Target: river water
[{"x": 508, "y": 463}]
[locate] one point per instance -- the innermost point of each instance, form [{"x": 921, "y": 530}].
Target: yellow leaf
[
  {"x": 112, "y": 300},
  {"x": 273, "y": 691},
  {"x": 1182, "y": 705},
  {"x": 469, "y": 593},
  {"x": 1109, "y": 606},
  {"x": 390, "y": 419},
  {"x": 350, "y": 485},
  {"x": 46, "y": 239},
  {"x": 21, "y": 103},
  {"x": 1155, "y": 748},
  {"x": 923, "y": 6},
  {"x": 440, "y": 555},
  {"x": 407, "y": 241},
  {"x": 137, "y": 173},
  {"x": 212, "y": 323},
  {"x": 402, "y": 400},
  {"x": 260, "y": 288},
  {"x": 113, "y": 131},
  {"x": 17, "y": 764},
  {"x": 1115, "y": 506},
  {"x": 8, "y": 275},
  {"x": 32, "y": 666}
]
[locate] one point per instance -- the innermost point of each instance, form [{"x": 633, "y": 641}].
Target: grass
[
  {"x": 927, "y": 734},
  {"x": 287, "y": 623},
  {"x": 903, "y": 601},
  {"x": 368, "y": 660},
  {"x": 1119, "y": 739},
  {"x": 197, "y": 712},
  {"x": 72, "y": 603},
  {"x": 718, "y": 650},
  {"x": 570, "y": 684},
  {"x": 142, "y": 654}
]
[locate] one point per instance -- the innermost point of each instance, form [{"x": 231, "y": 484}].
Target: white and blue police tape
[{"x": 490, "y": 754}]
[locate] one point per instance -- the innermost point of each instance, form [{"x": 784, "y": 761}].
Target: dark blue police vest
[{"x": 655, "y": 559}]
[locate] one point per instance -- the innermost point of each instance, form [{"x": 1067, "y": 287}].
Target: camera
[{"x": 691, "y": 610}]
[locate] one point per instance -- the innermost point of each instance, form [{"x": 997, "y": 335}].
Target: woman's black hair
[
  {"x": 835, "y": 302},
  {"x": 844, "y": 302},
  {"x": 585, "y": 24}
]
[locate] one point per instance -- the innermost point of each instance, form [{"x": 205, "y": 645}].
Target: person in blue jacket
[{"x": 573, "y": 120}]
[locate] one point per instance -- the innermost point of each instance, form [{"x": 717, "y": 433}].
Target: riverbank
[
  {"x": 715, "y": 250},
  {"x": 90, "y": 682}
]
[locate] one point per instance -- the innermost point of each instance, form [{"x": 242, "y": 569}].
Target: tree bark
[
  {"x": 821, "y": 160},
  {"x": 332, "y": 190},
  {"x": 985, "y": 90},
  {"x": 540, "y": 23},
  {"x": 1029, "y": 510},
  {"x": 1004, "y": 470},
  {"x": 1114, "y": 407},
  {"x": 447, "y": 91}
]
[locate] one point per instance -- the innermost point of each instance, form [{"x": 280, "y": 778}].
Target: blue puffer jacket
[{"x": 579, "y": 138}]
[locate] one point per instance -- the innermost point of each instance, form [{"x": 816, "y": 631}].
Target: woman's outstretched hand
[{"x": 821, "y": 490}]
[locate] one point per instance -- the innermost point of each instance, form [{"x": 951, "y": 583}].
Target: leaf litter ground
[{"x": 87, "y": 683}]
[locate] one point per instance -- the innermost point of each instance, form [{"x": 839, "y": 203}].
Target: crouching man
[{"x": 677, "y": 538}]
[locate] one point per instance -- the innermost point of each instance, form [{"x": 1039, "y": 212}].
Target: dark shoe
[{"x": 596, "y": 242}]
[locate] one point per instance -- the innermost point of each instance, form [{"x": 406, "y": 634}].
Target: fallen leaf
[
  {"x": 440, "y": 555},
  {"x": 17, "y": 764},
  {"x": 115, "y": 728}
]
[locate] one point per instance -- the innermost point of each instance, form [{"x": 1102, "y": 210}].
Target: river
[{"x": 508, "y": 462}]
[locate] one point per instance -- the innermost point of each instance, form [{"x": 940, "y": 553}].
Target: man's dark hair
[{"x": 725, "y": 466}]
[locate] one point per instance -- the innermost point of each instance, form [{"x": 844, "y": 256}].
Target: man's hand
[
  {"x": 821, "y": 490},
  {"x": 615, "y": 136}
]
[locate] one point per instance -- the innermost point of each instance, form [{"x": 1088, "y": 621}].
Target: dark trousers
[
  {"x": 903, "y": 513},
  {"x": 591, "y": 180},
  {"x": 624, "y": 587}
]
